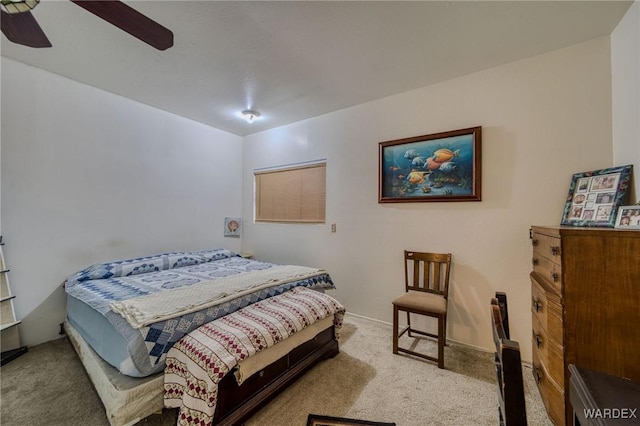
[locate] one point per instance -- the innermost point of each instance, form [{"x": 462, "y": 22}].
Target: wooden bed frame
[{"x": 128, "y": 400}]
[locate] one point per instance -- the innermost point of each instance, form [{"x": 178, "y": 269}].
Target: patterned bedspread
[
  {"x": 106, "y": 285},
  {"x": 197, "y": 362}
]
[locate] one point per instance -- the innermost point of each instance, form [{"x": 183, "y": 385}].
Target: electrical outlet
[{"x": 333, "y": 227}]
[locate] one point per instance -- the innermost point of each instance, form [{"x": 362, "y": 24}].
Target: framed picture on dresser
[
  {"x": 628, "y": 217},
  {"x": 594, "y": 197}
]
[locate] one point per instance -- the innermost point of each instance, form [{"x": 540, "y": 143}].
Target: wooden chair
[
  {"x": 511, "y": 405},
  {"x": 426, "y": 279}
]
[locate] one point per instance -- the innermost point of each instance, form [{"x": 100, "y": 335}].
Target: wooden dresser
[{"x": 585, "y": 304}]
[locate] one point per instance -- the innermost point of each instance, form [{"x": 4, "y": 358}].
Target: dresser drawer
[
  {"x": 539, "y": 338},
  {"x": 546, "y": 308},
  {"x": 549, "y": 353},
  {"x": 554, "y": 323},
  {"x": 552, "y": 396},
  {"x": 547, "y": 246},
  {"x": 539, "y": 303},
  {"x": 548, "y": 270}
]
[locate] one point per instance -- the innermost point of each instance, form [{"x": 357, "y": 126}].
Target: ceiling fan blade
[
  {"x": 22, "y": 28},
  {"x": 130, "y": 21}
]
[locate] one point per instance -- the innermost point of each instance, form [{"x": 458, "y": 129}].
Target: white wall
[
  {"x": 88, "y": 176},
  {"x": 625, "y": 70},
  {"x": 543, "y": 119}
]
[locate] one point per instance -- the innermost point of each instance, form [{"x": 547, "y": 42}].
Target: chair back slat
[
  {"x": 511, "y": 402},
  {"x": 427, "y": 272},
  {"x": 501, "y": 301}
]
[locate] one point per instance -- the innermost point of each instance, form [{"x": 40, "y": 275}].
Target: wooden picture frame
[
  {"x": 442, "y": 166},
  {"x": 595, "y": 196},
  {"x": 628, "y": 217}
]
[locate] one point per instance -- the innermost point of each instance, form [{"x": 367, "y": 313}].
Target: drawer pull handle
[
  {"x": 261, "y": 373},
  {"x": 555, "y": 250},
  {"x": 537, "y": 305},
  {"x": 534, "y": 242},
  {"x": 555, "y": 276},
  {"x": 537, "y": 374},
  {"x": 535, "y": 261},
  {"x": 538, "y": 340}
]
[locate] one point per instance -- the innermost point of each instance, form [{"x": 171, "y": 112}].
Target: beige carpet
[{"x": 48, "y": 386}]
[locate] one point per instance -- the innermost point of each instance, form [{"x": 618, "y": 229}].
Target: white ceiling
[{"x": 296, "y": 60}]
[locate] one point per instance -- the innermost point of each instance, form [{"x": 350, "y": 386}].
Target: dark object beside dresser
[{"x": 602, "y": 399}]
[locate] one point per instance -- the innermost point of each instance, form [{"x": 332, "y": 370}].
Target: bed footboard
[{"x": 237, "y": 403}]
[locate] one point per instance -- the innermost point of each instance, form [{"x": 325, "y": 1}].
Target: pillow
[{"x": 144, "y": 265}]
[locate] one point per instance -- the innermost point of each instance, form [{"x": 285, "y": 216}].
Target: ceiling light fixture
[
  {"x": 250, "y": 115},
  {"x": 18, "y": 6}
]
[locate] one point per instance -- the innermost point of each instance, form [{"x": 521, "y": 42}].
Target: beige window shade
[{"x": 295, "y": 194}]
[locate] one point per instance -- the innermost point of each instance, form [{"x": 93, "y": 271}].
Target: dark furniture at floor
[
  {"x": 318, "y": 420},
  {"x": 426, "y": 277},
  {"x": 511, "y": 402},
  {"x": 585, "y": 290},
  {"x": 237, "y": 403},
  {"x": 603, "y": 399}
]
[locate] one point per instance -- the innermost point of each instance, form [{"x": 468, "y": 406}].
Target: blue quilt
[{"x": 101, "y": 284}]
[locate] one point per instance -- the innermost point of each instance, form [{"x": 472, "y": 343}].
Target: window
[{"x": 294, "y": 194}]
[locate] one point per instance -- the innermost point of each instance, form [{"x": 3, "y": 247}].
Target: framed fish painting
[
  {"x": 438, "y": 167},
  {"x": 594, "y": 197}
]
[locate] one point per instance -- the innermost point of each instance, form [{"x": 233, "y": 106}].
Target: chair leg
[
  {"x": 395, "y": 329},
  {"x": 441, "y": 340},
  {"x": 409, "y": 324},
  {"x": 445, "y": 329}
]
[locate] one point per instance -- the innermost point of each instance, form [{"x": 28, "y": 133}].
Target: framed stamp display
[{"x": 594, "y": 197}]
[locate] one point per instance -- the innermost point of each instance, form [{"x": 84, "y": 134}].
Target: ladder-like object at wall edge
[{"x": 9, "y": 333}]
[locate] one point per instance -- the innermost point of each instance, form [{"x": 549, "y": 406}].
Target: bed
[{"x": 123, "y": 317}]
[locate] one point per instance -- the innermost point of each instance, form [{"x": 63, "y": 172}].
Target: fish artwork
[
  {"x": 447, "y": 167},
  {"x": 416, "y": 177},
  {"x": 429, "y": 168},
  {"x": 431, "y": 164},
  {"x": 418, "y": 162},
  {"x": 411, "y": 154},
  {"x": 443, "y": 155}
]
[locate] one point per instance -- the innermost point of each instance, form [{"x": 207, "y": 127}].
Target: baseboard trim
[{"x": 449, "y": 341}]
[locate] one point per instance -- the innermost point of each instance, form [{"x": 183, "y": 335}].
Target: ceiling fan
[{"x": 21, "y": 27}]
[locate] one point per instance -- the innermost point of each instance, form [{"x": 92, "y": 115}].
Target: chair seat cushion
[{"x": 417, "y": 300}]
